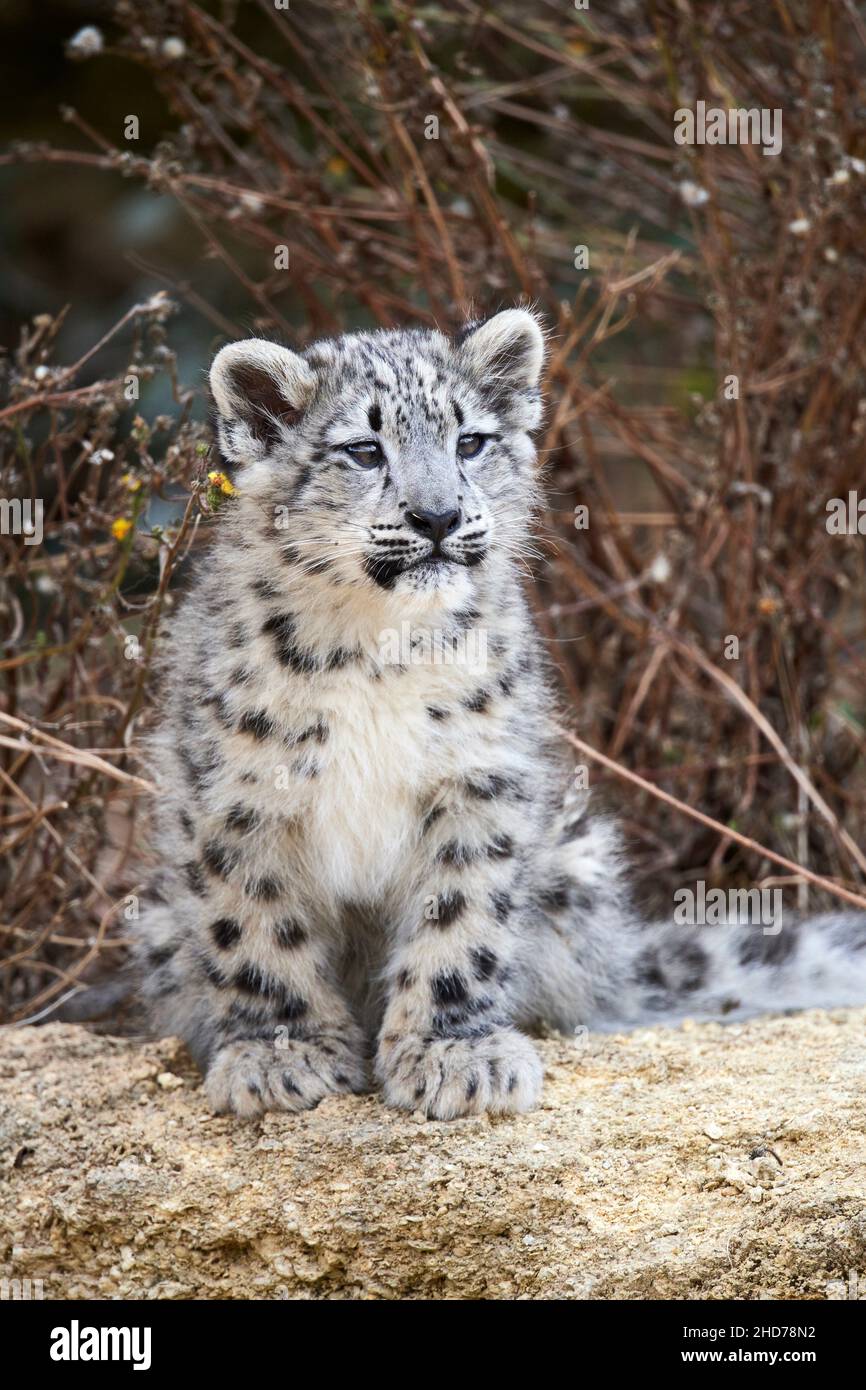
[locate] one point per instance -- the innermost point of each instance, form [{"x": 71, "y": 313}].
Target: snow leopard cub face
[{"x": 397, "y": 460}]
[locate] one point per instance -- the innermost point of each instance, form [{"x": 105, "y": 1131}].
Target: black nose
[{"x": 436, "y": 525}]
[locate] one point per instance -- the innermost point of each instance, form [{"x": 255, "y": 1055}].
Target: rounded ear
[
  {"x": 505, "y": 352},
  {"x": 261, "y": 390}
]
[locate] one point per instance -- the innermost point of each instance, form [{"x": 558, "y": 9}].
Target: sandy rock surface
[{"x": 699, "y": 1162}]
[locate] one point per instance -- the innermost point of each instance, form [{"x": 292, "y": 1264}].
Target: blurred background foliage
[{"x": 424, "y": 162}]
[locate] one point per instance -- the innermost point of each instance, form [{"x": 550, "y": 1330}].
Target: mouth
[
  {"x": 435, "y": 560},
  {"x": 386, "y": 572}
]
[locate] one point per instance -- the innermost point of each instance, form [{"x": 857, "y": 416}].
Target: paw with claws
[
  {"x": 499, "y": 1072},
  {"x": 248, "y": 1078}
]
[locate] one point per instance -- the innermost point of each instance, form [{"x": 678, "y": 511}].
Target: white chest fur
[{"x": 383, "y": 755}]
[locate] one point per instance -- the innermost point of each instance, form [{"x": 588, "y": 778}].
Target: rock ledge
[{"x": 699, "y": 1162}]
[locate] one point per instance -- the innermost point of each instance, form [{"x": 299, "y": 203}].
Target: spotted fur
[{"x": 371, "y": 865}]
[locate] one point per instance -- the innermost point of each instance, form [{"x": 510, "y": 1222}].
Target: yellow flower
[
  {"x": 121, "y": 528},
  {"x": 221, "y": 481},
  {"x": 134, "y": 484},
  {"x": 337, "y": 166}
]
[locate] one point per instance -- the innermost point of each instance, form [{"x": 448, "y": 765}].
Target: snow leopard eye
[
  {"x": 366, "y": 453},
  {"x": 469, "y": 446}
]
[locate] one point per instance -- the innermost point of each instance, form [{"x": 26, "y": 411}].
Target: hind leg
[{"x": 572, "y": 975}]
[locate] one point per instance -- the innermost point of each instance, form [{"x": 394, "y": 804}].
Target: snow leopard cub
[{"x": 370, "y": 864}]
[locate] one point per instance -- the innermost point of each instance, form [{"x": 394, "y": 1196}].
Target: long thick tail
[
  {"x": 598, "y": 965},
  {"x": 742, "y": 969}
]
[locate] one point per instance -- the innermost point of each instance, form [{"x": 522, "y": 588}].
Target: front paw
[
  {"x": 447, "y": 1077},
  {"x": 248, "y": 1078}
]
